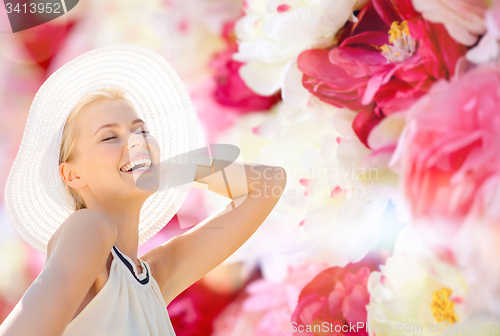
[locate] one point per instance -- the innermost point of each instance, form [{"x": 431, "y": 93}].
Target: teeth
[{"x": 136, "y": 162}]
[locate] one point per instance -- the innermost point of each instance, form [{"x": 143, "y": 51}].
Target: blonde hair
[{"x": 71, "y": 133}]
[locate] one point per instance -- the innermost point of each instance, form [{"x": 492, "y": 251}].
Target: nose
[{"x": 138, "y": 139}]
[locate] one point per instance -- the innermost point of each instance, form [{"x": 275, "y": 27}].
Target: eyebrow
[{"x": 136, "y": 121}]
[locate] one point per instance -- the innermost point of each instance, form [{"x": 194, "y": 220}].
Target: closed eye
[
  {"x": 144, "y": 132},
  {"x": 108, "y": 138}
]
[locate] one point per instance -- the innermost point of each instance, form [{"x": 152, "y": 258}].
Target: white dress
[{"x": 127, "y": 305}]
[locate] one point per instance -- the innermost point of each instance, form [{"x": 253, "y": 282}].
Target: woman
[{"x": 93, "y": 282}]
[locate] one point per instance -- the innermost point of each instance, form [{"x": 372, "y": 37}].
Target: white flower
[
  {"x": 477, "y": 244},
  {"x": 463, "y": 19},
  {"x": 273, "y": 33},
  {"x": 417, "y": 293},
  {"x": 328, "y": 212},
  {"x": 488, "y": 47}
]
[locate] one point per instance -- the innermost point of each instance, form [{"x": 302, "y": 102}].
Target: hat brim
[{"x": 36, "y": 200}]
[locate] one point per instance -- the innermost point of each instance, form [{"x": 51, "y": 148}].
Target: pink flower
[
  {"x": 376, "y": 73},
  {"x": 448, "y": 159},
  {"x": 231, "y": 90},
  {"x": 336, "y": 297},
  {"x": 267, "y": 306},
  {"x": 449, "y": 150}
]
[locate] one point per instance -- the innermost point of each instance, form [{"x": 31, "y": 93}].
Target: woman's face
[{"x": 112, "y": 136}]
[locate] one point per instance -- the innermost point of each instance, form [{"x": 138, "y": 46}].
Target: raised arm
[
  {"x": 82, "y": 246},
  {"x": 184, "y": 259}
]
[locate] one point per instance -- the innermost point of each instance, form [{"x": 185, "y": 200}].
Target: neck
[{"x": 126, "y": 219}]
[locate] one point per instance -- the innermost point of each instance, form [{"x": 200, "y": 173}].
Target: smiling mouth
[{"x": 142, "y": 164}]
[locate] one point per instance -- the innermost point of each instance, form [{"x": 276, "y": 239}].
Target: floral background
[{"x": 385, "y": 115}]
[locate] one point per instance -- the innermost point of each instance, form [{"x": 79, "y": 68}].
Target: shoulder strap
[{"x": 129, "y": 266}]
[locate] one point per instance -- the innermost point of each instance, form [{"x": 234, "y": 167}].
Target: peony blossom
[
  {"x": 448, "y": 160},
  {"x": 416, "y": 293},
  {"x": 267, "y": 305},
  {"x": 477, "y": 247},
  {"x": 193, "y": 310},
  {"x": 449, "y": 150},
  {"x": 488, "y": 48},
  {"x": 273, "y": 33},
  {"x": 383, "y": 63},
  {"x": 463, "y": 19},
  {"x": 231, "y": 90},
  {"x": 334, "y": 298}
]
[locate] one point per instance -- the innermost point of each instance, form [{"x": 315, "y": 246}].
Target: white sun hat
[{"x": 36, "y": 200}]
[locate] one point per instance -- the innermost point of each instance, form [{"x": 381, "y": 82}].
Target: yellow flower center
[
  {"x": 403, "y": 45},
  {"x": 398, "y": 31},
  {"x": 442, "y": 307}
]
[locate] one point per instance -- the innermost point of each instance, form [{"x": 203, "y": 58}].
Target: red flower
[
  {"x": 231, "y": 90},
  {"x": 193, "y": 311},
  {"x": 377, "y": 73},
  {"x": 336, "y": 299}
]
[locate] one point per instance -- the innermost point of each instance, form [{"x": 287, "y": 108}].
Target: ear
[{"x": 70, "y": 176}]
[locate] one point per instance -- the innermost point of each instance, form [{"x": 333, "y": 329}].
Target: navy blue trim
[{"x": 129, "y": 266}]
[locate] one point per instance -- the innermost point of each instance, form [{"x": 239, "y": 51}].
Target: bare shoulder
[
  {"x": 87, "y": 222},
  {"x": 78, "y": 251}
]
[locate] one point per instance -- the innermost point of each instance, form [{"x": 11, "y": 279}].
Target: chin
[
  {"x": 145, "y": 181},
  {"x": 148, "y": 181},
  {"x": 147, "y": 186}
]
